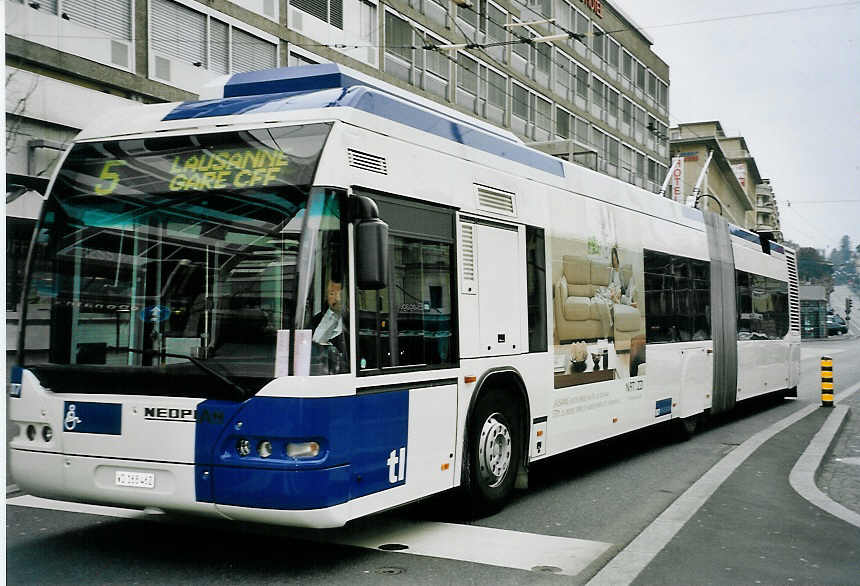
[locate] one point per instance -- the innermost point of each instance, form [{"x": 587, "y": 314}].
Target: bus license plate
[{"x": 135, "y": 479}]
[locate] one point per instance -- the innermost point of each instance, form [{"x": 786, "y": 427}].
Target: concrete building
[
  {"x": 731, "y": 176},
  {"x": 767, "y": 210}
]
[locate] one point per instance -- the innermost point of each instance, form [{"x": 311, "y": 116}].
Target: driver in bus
[{"x": 329, "y": 329}]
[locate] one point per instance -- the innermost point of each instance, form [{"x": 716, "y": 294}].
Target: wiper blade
[{"x": 240, "y": 392}]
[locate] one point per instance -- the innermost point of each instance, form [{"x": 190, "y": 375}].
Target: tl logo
[{"x": 396, "y": 466}]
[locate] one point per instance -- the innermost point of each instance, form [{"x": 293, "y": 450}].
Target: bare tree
[{"x": 15, "y": 117}]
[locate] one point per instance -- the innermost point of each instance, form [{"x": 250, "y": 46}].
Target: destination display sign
[
  {"x": 257, "y": 159},
  {"x": 231, "y": 169}
]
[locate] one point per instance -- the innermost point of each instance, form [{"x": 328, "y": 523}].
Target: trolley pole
[{"x": 826, "y": 381}]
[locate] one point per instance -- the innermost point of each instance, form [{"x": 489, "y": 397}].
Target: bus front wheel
[{"x": 495, "y": 452}]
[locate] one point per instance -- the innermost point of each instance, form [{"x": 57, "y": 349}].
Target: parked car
[{"x": 836, "y": 325}]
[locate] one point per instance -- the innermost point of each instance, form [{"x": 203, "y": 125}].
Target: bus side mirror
[{"x": 371, "y": 237}]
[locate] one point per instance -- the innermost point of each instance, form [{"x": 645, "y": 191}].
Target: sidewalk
[{"x": 839, "y": 475}]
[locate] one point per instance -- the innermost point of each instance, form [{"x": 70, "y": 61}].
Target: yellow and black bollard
[{"x": 826, "y": 381}]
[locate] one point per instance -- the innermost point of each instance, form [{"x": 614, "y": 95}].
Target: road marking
[
  {"x": 483, "y": 545},
  {"x": 634, "y": 558},
  {"x": 802, "y": 477},
  {"x": 468, "y": 543}
]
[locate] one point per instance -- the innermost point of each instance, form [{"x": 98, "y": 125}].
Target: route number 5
[{"x": 111, "y": 178}]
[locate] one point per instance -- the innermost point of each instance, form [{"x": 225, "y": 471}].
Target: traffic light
[{"x": 847, "y": 306}]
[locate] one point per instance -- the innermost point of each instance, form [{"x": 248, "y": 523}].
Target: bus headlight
[
  {"x": 264, "y": 449},
  {"x": 47, "y": 433},
  {"x": 243, "y": 446},
  {"x": 31, "y": 432},
  {"x": 303, "y": 450}
]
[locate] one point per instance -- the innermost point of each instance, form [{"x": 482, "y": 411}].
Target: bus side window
[{"x": 412, "y": 322}]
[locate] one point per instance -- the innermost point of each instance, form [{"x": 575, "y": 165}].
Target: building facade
[
  {"x": 767, "y": 210},
  {"x": 731, "y": 177}
]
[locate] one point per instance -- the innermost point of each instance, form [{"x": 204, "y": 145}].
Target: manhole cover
[
  {"x": 389, "y": 571},
  {"x": 547, "y": 569},
  {"x": 393, "y": 547}
]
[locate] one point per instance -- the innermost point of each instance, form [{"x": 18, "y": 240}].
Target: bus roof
[{"x": 325, "y": 87}]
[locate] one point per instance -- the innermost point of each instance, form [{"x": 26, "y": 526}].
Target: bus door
[{"x": 406, "y": 348}]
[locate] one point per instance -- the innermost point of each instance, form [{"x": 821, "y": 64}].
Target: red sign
[{"x": 595, "y": 6}]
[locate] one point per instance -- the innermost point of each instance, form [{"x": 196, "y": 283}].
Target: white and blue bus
[{"x": 312, "y": 296}]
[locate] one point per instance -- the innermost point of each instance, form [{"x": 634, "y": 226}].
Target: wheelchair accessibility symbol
[
  {"x": 155, "y": 314},
  {"x": 71, "y": 420}
]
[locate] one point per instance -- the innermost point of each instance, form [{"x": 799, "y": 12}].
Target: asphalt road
[{"x": 588, "y": 505}]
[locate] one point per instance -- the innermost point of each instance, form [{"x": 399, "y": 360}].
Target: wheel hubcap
[{"x": 494, "y": 451}]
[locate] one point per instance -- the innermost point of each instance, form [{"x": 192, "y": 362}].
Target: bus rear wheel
[{"x": 495, "y": 450}]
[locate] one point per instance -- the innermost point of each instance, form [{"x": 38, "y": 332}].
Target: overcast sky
[{"x": 789, "y": 83}]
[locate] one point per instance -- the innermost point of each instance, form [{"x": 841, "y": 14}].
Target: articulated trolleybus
[{"x": 312, "y": 296}]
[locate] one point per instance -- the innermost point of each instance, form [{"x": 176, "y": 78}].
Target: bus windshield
[{"x": 177, "y": 253}]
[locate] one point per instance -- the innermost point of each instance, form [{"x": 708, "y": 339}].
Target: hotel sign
[{"x": 595, "y": 6}]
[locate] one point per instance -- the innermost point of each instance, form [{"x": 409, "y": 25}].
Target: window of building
[
  {"x": 193, "y": 37},
  {"x": 543, "y": 117},
  {"x": 612, "y": 54},
  {"x": 109, "y": 16},
  {"x": 582, "y": 82},
  {"x": 518, "y": 46},
  {"x": 612, "y": 105},
  {"x": 662, "y": 94},
  {"x": 652, "y": 170},
  {"x": 562, "y": 14},
  {"x": 294, "y": 59},
  {"x": 598, "y": 98},
  {"x": 626, "y": 111},
  {"x": 640, "y": 168},
  {"x": 424, "y": 68},
  {"x": 652, "y": 85},
  {"x": 625, "y": 171},
  {"x": 565, "y": 73},
  {"x": 468, "y": 14},
  {"x": 398, "y": 36},
  {"x": 411, "y": 323},
  {"x": 520, "y": 102},
  {"x": 250, "y": 53},
  {"x": 543, "y": 57},
  {"x": 627, "y": 65},
  {"x": 598, "y": 42},
  {"x": 496, "y": 32},
  {"x": 640, "y": 76},
  {"x": 562, "y": 123},
  {"x": 467, "y": 74},
  {"x": 581, "y": 127},
  {"x": 330, "y": 11},
  {"x": 612, "y": 151},
  {"x": 598, "y": 141},
  {"x": 581, "y": 30},
  {"x": 497, "y": 96}
]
